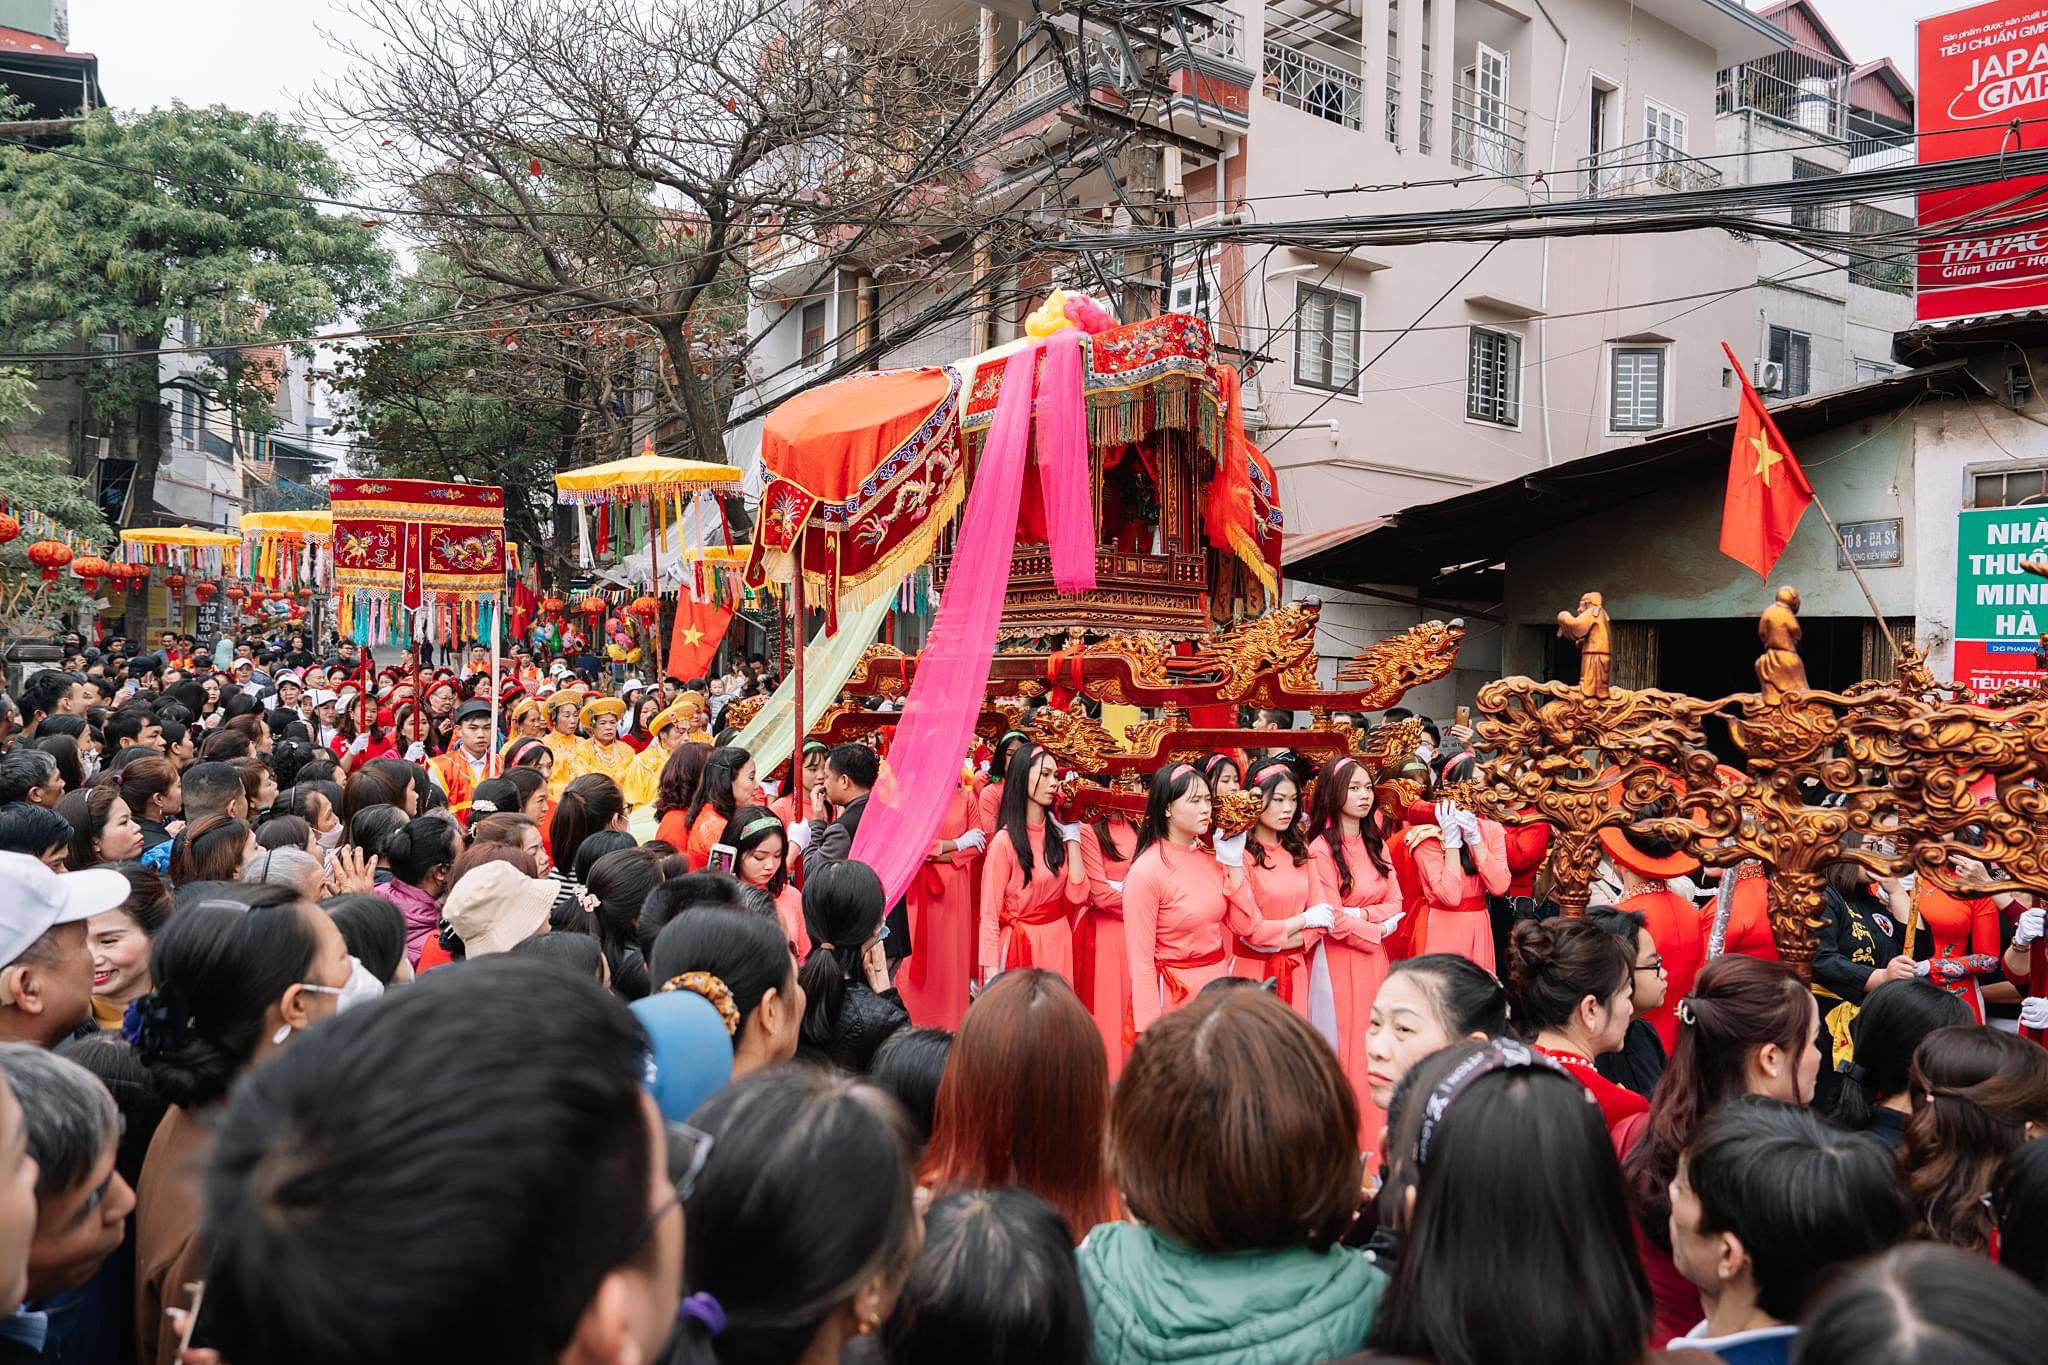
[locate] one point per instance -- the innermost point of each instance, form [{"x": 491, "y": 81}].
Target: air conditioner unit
[
  {"x": 99, "y": 447},
  {"x": 1770, "y": 376}
]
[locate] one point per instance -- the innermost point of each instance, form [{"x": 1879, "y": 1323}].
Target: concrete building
[
  {"x": 1912, "y": 466},
  {"x": 1383, "y": 379}
]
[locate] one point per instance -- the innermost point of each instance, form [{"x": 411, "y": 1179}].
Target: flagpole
[{"x": 1813, "y": 496}]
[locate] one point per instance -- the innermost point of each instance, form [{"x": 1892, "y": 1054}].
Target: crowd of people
[{"x": 338, "y": 1026}]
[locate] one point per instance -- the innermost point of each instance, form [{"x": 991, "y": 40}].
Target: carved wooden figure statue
[
  {"x": 1588, "y": 628},
  {"x": 1780, "y": 669}
]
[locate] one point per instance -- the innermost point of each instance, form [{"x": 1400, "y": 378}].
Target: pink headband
[{"x": 1174, "y": 773}]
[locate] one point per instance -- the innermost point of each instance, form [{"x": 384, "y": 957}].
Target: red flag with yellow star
[
  {"x": 699, "y": 628},
  {"x": 1767, "y": 490}
]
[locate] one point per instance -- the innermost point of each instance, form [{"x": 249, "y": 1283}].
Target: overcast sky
[{"x": 266, "y": 55}]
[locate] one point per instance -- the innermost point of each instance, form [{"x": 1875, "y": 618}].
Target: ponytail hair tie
[
  {"x": 1686, "y": 1014},
  {"x": 705, "y": 1309}
]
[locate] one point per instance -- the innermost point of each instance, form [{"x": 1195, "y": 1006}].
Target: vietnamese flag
[
  {"x": 1767, "y": 490},
  {"x": 699, "y": 628}
]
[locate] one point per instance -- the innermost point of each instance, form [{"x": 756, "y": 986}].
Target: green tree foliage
[
  {"x": 179, "y": 212},
  {"x": 40, "y": 481}
]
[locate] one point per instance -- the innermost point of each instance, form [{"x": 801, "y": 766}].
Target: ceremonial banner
[{"x": 401, "y": 544}]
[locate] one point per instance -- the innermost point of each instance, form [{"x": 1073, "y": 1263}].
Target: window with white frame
[
  {"x": 1663, "y": 125},
  {"x": 1635, "y": 388},
  {"x": 1794, "y": 351},
  {"x": 1326, "y": 339},
  {"x": 1493, "y": 377},
  {"x": 1197, "y": 290}
]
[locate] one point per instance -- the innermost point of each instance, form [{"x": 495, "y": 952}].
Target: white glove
[
  {"x": 1230, "y": 849},
  {"x": 1069, "y": 834},
  {"x": 2032, "y": 926},
  {"x": 1353, "y": 911},
  {"x": 1469, "y": 824},
  {"x": 1450, "y": 829},
  {"x": 800, "y": 834},
  {"x": 416, "y": 752},
  {"x": 1318, "y": 917},
  {"x": 359, "y": 743},
  {"x": 973, "y": 838},
  {"x": 1392, "y": 922},
  {"x": 2034, "y": 1012}
]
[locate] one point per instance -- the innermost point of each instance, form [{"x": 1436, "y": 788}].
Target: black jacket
[{"x": 866, "y": 1020}]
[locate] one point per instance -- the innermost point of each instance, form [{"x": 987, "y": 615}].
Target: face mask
[
  {"x": 359, "y": 989},
  {"x": 331, "y": 839},
  {"x": 89, "y": 763}
]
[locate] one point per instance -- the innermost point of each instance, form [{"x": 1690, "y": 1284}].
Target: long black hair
[
  {"x": 999, "y": 761},
  {"x": 589, "y": 803},
  {"x": 621, "y": 880},
  {"x": 1326, "y": 815},
  {"x": 373, "y": 928},
  {"x": 1267, "y": 778},
  {"x": 1013, "y": 817},
  {"x": 807, "y": 1195},
  {"x": 1169, "y": 785},
  {"x": 1893, "y": 1020},
  {"x": 842, "y": 909},
  {"x": 1461, "y": 1293}
]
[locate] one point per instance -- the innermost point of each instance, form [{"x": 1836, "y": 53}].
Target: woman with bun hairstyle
[
  {"x": 762, "y": 845},
  {"x": 1355, "y": 877},
  {"x": 1283, "y": 884},
  {"x": 235, "y": 980},
  {"x": 1572, "y": 985},
  {"x": 1747, "y": 1028},
  {"x": 1426, "y": 1004},
  {"x": 749, "y": 959},
  {"x": 1102, "y": 968},
  {"x": 1033, "y": 878}
]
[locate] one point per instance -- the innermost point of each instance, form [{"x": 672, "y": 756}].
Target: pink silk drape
[{"x": 922, "y": 770}]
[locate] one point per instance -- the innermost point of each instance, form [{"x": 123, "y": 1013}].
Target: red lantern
[
  {"x": 175, "y": 581},
  {"x": 205, "y": 591},
  {"x": 235, "y": 592},
  {"x": 9, "y": 528},
  {"x": 305, "y": 594},
  {"x": 593, "y": 607},
  {"x": 645, "y": 607},
  {"x": 551, "y": 606},
  {"x": 90, "y": 568}
]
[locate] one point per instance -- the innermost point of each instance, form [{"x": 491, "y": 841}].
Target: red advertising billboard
[{"x": 1980, "y": 69}]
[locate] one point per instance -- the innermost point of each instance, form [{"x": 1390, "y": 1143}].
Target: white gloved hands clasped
[
  {"x": 1449, "y": 828},
  {"x": 1230, "y": 849},
  {"x": 1318, "y": 917},
  {"x": 2034, "y": 1012},
  {"x": 2032, "y": 926}
]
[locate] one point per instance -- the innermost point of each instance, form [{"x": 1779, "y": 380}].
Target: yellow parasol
[
  {"x": 645, "y": 477},
  {"x": 188, "y": 537},
  {"x": 315, "y": 526}
]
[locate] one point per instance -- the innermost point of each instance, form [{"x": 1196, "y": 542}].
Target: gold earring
[{"x": 866, "y": 1326}]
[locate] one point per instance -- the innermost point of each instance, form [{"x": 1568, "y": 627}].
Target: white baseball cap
[
  {"x": 320, "y": 696},
  {"x": 37, "y": 900}
]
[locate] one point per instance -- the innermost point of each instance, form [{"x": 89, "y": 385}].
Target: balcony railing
[
  {"x": 1393, "y": 98},
  {"x": 1221, "y": 34},
  {"x": 1800, "y": 87},
  {"x": 1426, "y": 137},
  {"x": 1315, "y": 86},
  {"x": 1643, "y": 168},
  {"x": 1488, "y": 134},
  {"x": 1097, "y": 63}
]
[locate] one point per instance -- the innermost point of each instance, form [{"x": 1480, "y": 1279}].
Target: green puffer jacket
[{"x": 1154, "y": 1302}]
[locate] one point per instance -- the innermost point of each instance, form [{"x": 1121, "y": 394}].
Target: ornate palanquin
[{"x": 1156, "y": 426}]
